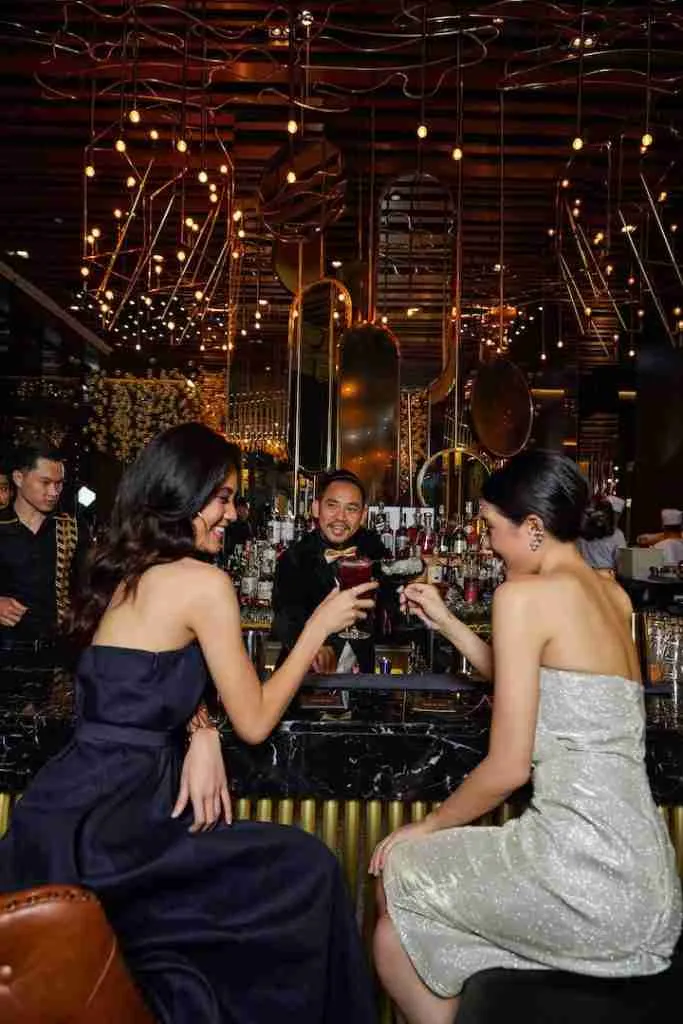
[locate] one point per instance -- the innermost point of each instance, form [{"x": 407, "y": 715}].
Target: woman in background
[
  {"x": 585, "y": 880},
  {"x": 248, "y": 923}
]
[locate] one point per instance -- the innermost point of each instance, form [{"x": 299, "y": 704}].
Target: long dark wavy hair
[{"x": 172, "y": 479}]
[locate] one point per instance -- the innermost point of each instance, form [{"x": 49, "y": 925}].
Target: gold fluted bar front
[
  {"x": 285, "y": 812},
  {"x": 676, "y": 829},
  {"x": 243, "y": 809},
  {"x": 264, "y": 810},
  {"x": 307, "y": 815},
  {"x": 330, "y": 824},
  {"x": 394, "y": 815},
  {"x": 5, "y": 811},
  {"x": 418, "y": 810},
  {"x": 351, "y": 843}
]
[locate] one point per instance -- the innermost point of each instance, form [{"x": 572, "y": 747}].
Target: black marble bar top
[{"x": 407, "y": 737}]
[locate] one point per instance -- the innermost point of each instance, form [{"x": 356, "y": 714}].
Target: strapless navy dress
[{"x": 247, "y": 924}]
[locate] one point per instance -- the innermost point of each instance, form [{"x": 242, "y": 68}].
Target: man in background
[
  {"x": 305, "y": 573},
  {"x": 5, "y": 488},
  {"x": 39, "y": 550},
  {"x": 672, "y": 523},
  {"x": 240, "y": 530}
]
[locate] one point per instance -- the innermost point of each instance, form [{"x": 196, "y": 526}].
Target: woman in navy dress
[{"x": 243, "y": 923}]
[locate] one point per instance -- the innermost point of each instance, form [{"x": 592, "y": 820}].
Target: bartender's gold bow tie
[{"x": 333, "y": 554}]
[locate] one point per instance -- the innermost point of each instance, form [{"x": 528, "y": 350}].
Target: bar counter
[{"x": 401, "y": 737}]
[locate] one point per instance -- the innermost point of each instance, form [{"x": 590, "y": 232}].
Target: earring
[{"x": 536, "y": 538}]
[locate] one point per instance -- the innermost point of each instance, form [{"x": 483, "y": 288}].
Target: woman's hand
[
  {"x": 425, "y": 601},
  {"x": 401, "y": 835},
  {"x": 342, "y": 608},
  {"x": 204, "y": 782}
]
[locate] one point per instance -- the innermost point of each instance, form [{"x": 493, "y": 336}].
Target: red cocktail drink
[{"x": 351, "y": 572}]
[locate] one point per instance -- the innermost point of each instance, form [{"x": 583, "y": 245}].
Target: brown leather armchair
[{"x": 59, "y": 961}]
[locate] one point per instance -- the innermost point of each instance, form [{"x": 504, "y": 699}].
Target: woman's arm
[
  {"x": 212, "y": 613},
  {"x": 518, "y": 643},
  {"x": 425, "y": 601}
]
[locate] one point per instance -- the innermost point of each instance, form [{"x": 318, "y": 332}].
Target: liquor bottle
[
  {"x": 414, "y": 529},
  {"x": 402, "y": 540},
  {"x": 287, "y": 528},
  {"x": 264, "y": 588},
  {"x": 471, "y": 527},
  {"x": 387, "y": 536},
  {"x": 274, "y": 528},
  {"x": 300, "y": 522},
  {"x": 471, "y": 579},
  {"x": 428, "y": 540},
  {"x": 458, "y": 545}
]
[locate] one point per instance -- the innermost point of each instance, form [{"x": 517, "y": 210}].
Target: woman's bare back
[
  {"x": 155, "y": 618},
  {"x": 587, "y": 619}
]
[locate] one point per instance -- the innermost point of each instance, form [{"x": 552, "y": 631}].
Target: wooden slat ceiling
[{"x": 368, "y": 75}]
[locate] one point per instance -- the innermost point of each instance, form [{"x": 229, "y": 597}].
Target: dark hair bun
[{"x": 544, "y": 484}]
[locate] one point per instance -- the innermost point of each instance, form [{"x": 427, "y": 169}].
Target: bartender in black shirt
[
  {"x": 39, "y": 548},
  {"x": 305, "y": 572}
]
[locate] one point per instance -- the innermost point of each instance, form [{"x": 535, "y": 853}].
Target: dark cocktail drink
[{"x": 351, "y": 572}]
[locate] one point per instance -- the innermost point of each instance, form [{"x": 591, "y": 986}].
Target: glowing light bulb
[
  {"x": 130, "y": 181},
  {"x": 632, "y": 352},
  {"x": 96, "y": 232},
  {"x": 674, "y": 228},
  {"x": 577, "y": 143},
  {"x": 609, "y": 268},
  {"x": 120, "y": 146},
  {"x": 588, "y": 311},
  {"x": 565, "y": 183},
  {"x": 291, "y": 177},
  {"x": 90, "y": 239},
  {"x": 199, "y": 296},
  {"x": 212, "y": 187},
  {"x": 237, "y": 215},
  {"x": 422, "y": 131},
  {"x": 457, "y": 153},
  {"x": 257, "y": 315},
  {"x": 109, "y": 294},
  {"x": 213, "y": 196},
  {"x": 677, "y": 311},
  {"x": 631, "y": 281},
  {"x": 598, "y": 238},
  {"x": 148, "y": 301},
  {"x": 171, "y": 325},
  {"x": 560, "y": 343},
  {"x": 157, "y": 268},
  {"x": 543, "y": 356},
  {"x": 134, "y": 116},
  {"x": 641, "y": 312},
  {"x": 104, "y": 308},
  {"x": 662, "y": 197},
  {"x": 292, "y": 127},
  {"x": 195, "y": 226},
  {"x": 89, "y": 171},
  {"x": 241, "y": 233},
  {"x": 118, "y": 213},
  {"x": 243, "y": 333},
  {"x": 385, "y": 319},
  {"x": 189, "y": 222},
  {"x": 203, "y": 177},
  {"x": 646, "y": 140},
  {"x": 235, "y": 254},
  {"x": 223, "y": 168},
  {"x": 85, "y": 272},
  {"x": 181, "y": 146},
  {"x": 551, "y": 232},
  {"x": 153, "y": 134},
  {"x": 180, "y": 255}
]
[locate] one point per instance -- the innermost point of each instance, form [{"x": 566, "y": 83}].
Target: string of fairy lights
[{"x": 168, "y": 264}]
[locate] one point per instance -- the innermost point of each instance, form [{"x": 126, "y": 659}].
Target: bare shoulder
[
  {"x": 617, "y": 595},
  {"x": 536, "y": 594}
]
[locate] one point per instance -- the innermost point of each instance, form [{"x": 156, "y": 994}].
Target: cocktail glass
[{"x": 351, "y": 572}]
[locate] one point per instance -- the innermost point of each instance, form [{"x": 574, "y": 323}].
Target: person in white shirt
[{"x": 601, "y": 538}]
